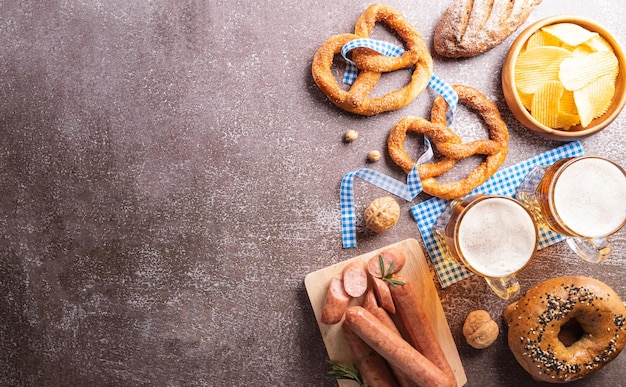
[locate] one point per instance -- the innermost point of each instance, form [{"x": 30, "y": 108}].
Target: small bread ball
[
  {"x": 373, "y": 156},
  {"x": 382, "y": 214},
  {"x": 351, "y": 135},
  {"x": 480, "y": 330}
]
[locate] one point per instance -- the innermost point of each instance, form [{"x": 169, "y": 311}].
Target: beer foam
[
  {"x": 590, "y": 197},
  {"x": 497, "y": 237}
]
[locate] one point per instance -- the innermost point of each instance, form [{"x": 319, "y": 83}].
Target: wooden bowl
[{"x": 523, "y": 115}]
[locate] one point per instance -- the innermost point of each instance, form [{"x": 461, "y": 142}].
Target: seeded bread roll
[
  {"x": 566, "y": 328},
  {"x": 470, "y": 27}
]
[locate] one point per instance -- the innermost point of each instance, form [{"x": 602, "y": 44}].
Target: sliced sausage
[
  {"x": 355, "y": 278},
  {"x": 336, "y": 301},
  {"x": 383, "y": 294},
  {"x": 369, "y": 301},
  {"x": 389, "y": 256}
]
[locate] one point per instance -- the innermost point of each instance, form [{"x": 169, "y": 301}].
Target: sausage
[
  {"x": 393, "y": 254},
  {"x": 417, "y": 325},
  {"x": 397, "y": 351},
  {"x": 336, "y": 301},
  {"x": 370, "y": 364},
  {"x": 369, "y": 303},
  {"x": 383, "y": 295},
  {"x": 355, "y": 278}
]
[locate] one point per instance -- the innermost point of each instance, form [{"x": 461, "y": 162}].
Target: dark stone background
[{"x": 170, "y": 173}]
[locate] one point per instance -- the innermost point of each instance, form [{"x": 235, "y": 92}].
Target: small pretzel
[
  {"x": 450, "y": 145},
  {"x": 372, "y": 64}
]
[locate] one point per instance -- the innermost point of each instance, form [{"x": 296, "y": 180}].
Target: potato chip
[
  {"x": 581, "y": 70},
  {"x": 583, "y": 50},
  {"x": 584, "y": 84},
  {"x": 604, "y": 109},
  {"x": 538, "y": 65},
  {"x": 569, "y": 33},
  {"x": 527, "y": 100},
  {"x": 593, "y": 100},
  {"x": 545, "y": 106},
  {"x": 542, "y": 38},
  {"x": 567, "y": 105},
  {"x": 566, "y": 120},
  {"x": 604, "y": 89},
  {"x": 598, "y": 43}
]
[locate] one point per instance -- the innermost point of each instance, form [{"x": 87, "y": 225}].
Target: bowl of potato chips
[{"x": 564, "y": 78}]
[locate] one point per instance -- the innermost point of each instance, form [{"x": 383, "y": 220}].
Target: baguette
[{"x": 470, "y": 27}]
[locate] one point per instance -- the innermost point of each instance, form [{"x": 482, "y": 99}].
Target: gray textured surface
[{"x": 170, "y": 174}]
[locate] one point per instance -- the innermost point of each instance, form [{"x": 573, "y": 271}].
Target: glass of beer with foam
[
  {"x": 581, "y": 198},
  {"x": 493, "y": 236}
]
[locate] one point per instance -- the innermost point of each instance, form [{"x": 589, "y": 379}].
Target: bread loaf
[{"x": 470, "y": 27}]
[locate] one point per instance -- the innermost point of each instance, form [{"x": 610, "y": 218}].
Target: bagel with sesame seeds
[{"x": 566, "y": 328}]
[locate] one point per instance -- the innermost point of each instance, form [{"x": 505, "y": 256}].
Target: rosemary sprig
[
  {"x": 387, "y": 276},
  {"x": 339, "y": 371}
]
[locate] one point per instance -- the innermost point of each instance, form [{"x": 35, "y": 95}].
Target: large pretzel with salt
[
  {"x": 450, "y": 145},
  {"x": 372, "y": 64}
]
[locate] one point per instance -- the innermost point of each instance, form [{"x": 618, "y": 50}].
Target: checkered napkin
[
  {"x": 389, "y": 49},
  {"x": 407, "y": 191},
  {"x": 382, "y": 47},
  {"x": 413, "y": 186},
  {"x": 504, "y": 182}
]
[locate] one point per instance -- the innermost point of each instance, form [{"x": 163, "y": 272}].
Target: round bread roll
[
  {"x": 382, "y": 214},
  {"x": 566, "y": 328},
  {"x": 480, "y": 330}
]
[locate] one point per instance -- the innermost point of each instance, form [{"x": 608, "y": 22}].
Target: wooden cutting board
[{"x": 415, "y": 270}]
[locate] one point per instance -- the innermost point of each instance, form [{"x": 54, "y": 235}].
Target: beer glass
[
  {"x": 493, "y": 236},
  {"x": 581, "y": 198}
]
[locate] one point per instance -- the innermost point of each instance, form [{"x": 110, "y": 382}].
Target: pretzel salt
[
  {"x": 371, "y": 65},
  {"x": 450, "y": 145}
]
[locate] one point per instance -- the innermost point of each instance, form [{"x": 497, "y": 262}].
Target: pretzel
[
  {"x": 416, "y": 50},
  {"x": 450, "y": 145},
  {"x": 371, "y": 65}
]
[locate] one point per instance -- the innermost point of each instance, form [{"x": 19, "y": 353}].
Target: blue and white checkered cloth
[
  {"x": 413, "y": 186},
  {"x": 385, "y": 48},
  {"x": 448, "y": 94},
  {"x": 407, "y": 191},
  {"x": 504, "y": 182},
  {"x": 389, "y": 49}
]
